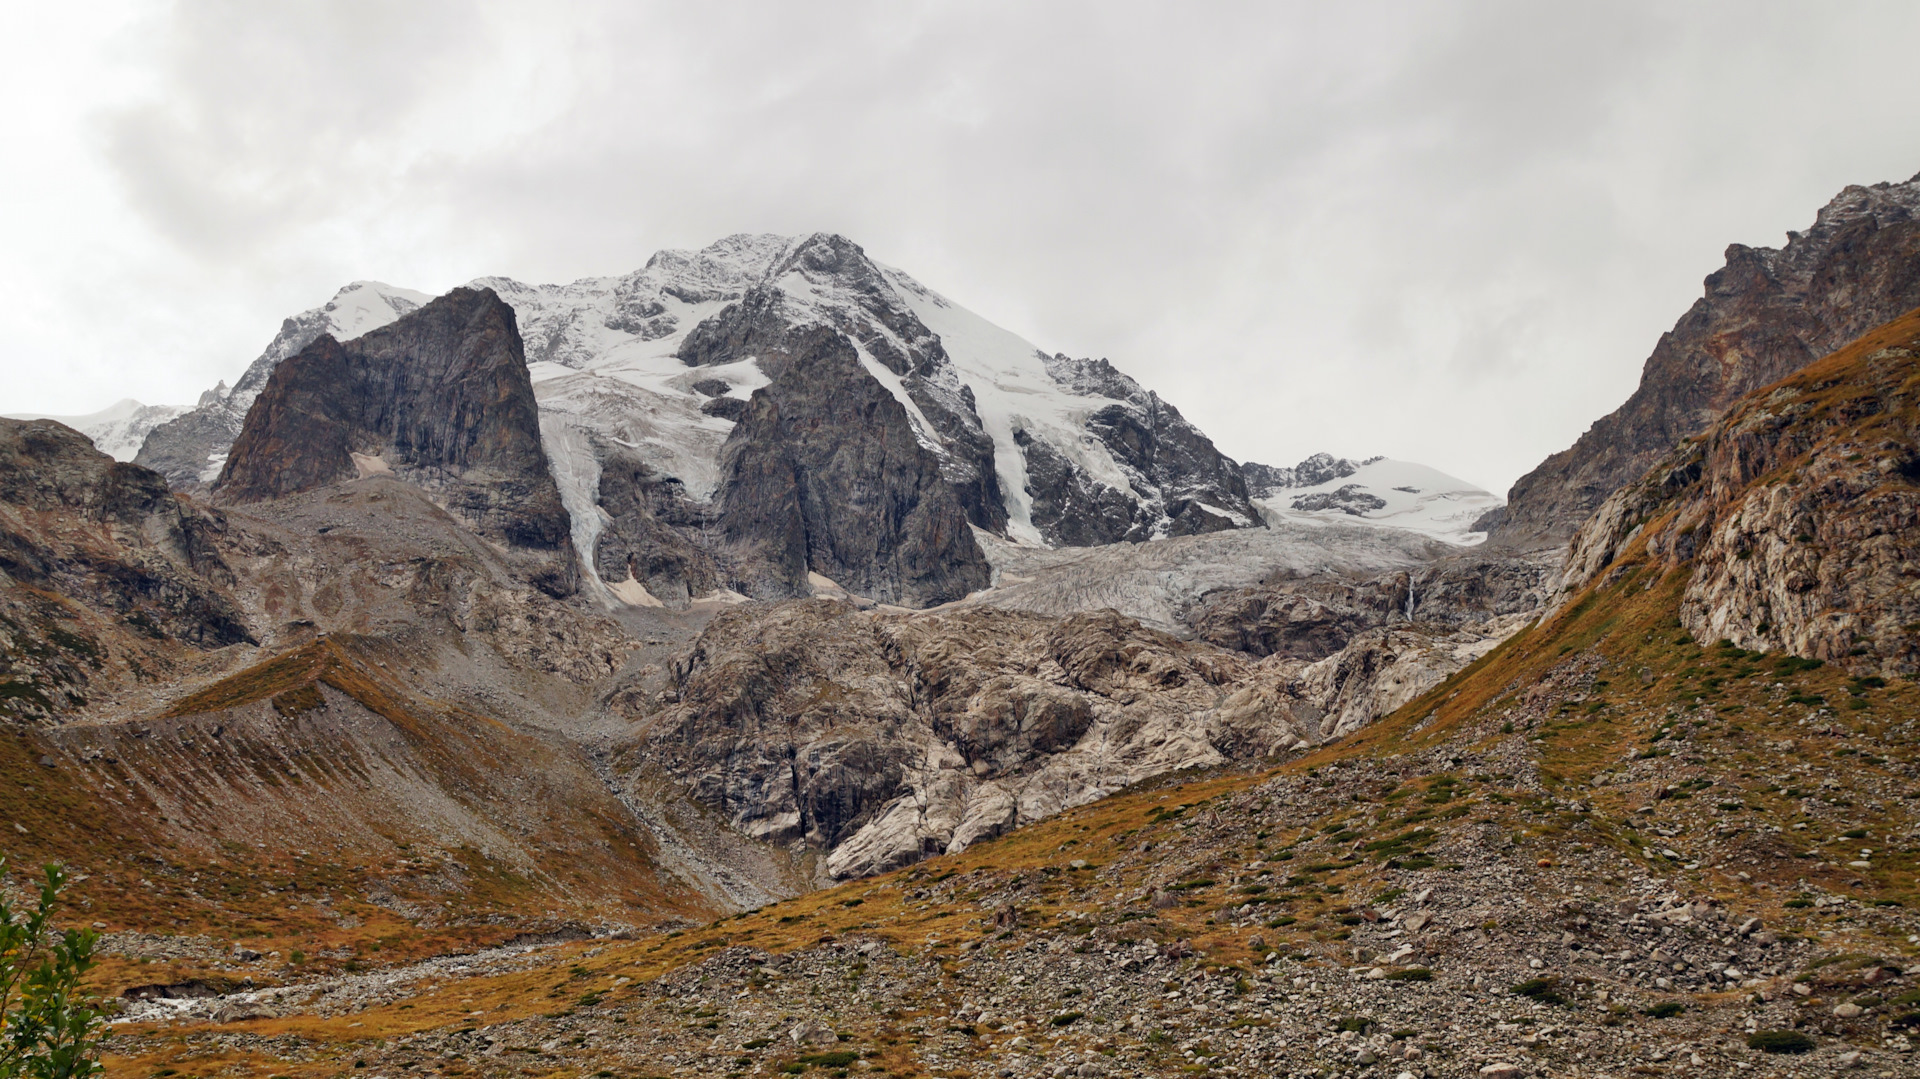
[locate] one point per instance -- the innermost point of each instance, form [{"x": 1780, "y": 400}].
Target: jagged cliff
[
  {"x": 824, "y": 476},
  {"x": 1766, "y": 314}
]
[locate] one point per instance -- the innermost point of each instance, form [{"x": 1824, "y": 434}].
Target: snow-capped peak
[{"x": 1398, "y": 494}]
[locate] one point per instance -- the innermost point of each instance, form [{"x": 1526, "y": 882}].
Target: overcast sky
[{"x": 1447, "y": 232}]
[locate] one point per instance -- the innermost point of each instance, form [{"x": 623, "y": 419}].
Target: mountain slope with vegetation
[{"x": 1611, "y": 843}]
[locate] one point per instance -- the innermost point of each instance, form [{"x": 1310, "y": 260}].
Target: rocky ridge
[
  {"x": 189, "y": 449},
  {"x": 119, "y": 430},
  {"x": 107, "y": 581},
  {"x": 1767, "y": 313}
]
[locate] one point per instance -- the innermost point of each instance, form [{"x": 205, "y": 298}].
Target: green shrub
[
  {"x": 1666, "y": 1009},
  {"x": 1065, "y": 1019},
  {"x": 839, "y": 1058},
  {"x": 1779, "y": 1041},
  {"x": 49, "y": 1028},
  {"x": 1544, "y": 990}
]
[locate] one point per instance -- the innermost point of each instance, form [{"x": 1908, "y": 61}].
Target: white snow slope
[
  {"x": 1418, "y": 498},
  {"x": 117, "y": 430}
]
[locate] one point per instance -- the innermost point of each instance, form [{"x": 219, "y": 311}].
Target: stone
[
  {"x": 813, "y": 1032},
  {"x": 825, "y": 475},
  {"x": 1849, "y": 1011}
]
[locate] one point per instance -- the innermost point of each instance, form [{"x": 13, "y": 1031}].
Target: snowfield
[{"x": 1416, "y": 498}]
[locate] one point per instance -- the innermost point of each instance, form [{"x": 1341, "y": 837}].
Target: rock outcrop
[
  {"x": 190, "y": 449},
  {"x": 105, "y": 576},
  {"x": 824, "y": 475},
  {"x": 848, "y": 292},
  {"x": 1263, "y": 481},
  {"x": 873, "y": 739},
  {"x": 877, "y": 739},
  {"x": 1766, "y": 314},
  {"x": 647, "y": 540},
  {"x": 440, "y": 398},
  {"x": 1310, "y": 617},
  {"x": 1796, "y": 513}
]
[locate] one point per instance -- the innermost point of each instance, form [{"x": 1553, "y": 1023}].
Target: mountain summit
[{"x": 677, "y": 484}]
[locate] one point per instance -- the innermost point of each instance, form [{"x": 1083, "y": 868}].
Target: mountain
[
  {"x": 118, "y": 430},
  {"x": 439, "y": 398},
  {"x": 1766, "y": 313},
  {"x": 190, "y": 448},
  {"x": 1615, "y": 843},
  {"x": 642, "y": 382},
  {"x": 1793, "y": 513}
]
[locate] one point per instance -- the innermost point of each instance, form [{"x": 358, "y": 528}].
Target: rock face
[
  {"x": 877, "y": 739},
  {"x": 825, "y": 476},
  {"x": 1311, "y": 617},
  {"x": 1766, "y": 314},
  {"x": 1796, "y": 512},
  {"x": 646, "y": 543},
  {"x": 190, "y": 449},
  {"x": 1178, "y": 484},
  {"x": 882, "y": 329},
  {"x": 874, "y": 739},
  {"x": 1264, "y": 480},
  {"x": 103, "y": 573},
  {"x": 1350, "y": 500},
  {"x": 440, "y": 398}
]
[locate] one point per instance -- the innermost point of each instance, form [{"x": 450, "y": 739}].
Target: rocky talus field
[{"x": 758, "y": 666}]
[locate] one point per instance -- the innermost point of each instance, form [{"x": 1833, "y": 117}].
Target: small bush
[
  {"x": 839, "y": 1058},
  {"x": 1779, "y": 1041},
  {"x": 1412, "y": 974},
  {"x": 1355, "y": 1023},
  {"x": 1544, "y": 990},
  {"x": 1666, "y": 1009},
  {"x": 1065, "y": 1019}
]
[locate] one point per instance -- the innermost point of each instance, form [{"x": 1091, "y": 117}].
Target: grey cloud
[{"x": 1445, "y": 231}]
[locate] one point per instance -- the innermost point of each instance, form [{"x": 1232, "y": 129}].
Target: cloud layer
[{"x": 1446, "y": 232}]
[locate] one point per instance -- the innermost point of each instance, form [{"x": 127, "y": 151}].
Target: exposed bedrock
[{"x": 825, "y": 475}]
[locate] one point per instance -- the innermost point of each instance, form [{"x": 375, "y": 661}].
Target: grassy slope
[{"x": 138, "y": 871}]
